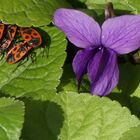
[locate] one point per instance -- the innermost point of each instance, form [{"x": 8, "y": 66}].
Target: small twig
[{"x": 109, "y": 10}]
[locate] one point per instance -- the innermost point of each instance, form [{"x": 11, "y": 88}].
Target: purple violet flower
[{"x": 99, "y": 45}]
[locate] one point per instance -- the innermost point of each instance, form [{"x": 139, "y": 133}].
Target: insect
[
  {"x": 8, "y": 37},
  {"x": 15, "y": 52},
  {"x": 1, "y": 29},
  {"x": 32, "y": 39}
]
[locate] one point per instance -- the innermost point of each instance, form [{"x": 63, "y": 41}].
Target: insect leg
[
  {"x": 33, "y": 56},
  {"x": 45, "y": 51}
]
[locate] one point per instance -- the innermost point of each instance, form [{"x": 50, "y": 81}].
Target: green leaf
[
  {"x": 69, "y": 82},
  {"x": 29, "y": 12},
  {"x": 35, "y": 125},
  {"x": 119, "y": 5},
  {"x": 128, "y": 88},
  {"x": 11, "y": 119},
  {"x": 132, "y": 134},
  {"x": 135, "y": 5},
  {"x": 39, "y": 78},
  {"x": 129, "y": 79},
  {"x": 77, "y": 4},
  {"x": 77, "y": 117}
]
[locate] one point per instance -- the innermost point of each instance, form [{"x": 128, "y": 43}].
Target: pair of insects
[{"x": 15, "y": 52}]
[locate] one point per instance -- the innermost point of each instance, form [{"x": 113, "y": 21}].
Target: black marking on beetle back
[
  {"x": 15, "y": 49},
  {"x": 10, "y": 58},
  {"x": 27, "y": 36},
  {"x": 11, "y": 30},
  {"x": 34, "y": 41},
  {"x": 35, "y": 34},
  {"x": 21, "y": 49},
  {"x": 18, "y": 55}
]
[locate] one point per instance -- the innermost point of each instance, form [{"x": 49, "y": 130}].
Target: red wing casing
[
  {"x": 1, "y": 29},
  {"x": 9, "y": 36},
  {"x": 31, "y": 36},
  {"x": 17, "y": 53}
]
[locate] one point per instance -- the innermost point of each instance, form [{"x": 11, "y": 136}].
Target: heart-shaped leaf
[
  {"x": 29, "y": 12},
  {"x": 41, "y": 77},
  {"x": 11, "y": 119},
  {"x": 132, "y": 134},
  {"x": 77, "y": 117}
]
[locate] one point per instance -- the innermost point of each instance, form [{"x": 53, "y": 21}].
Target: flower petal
[
  {"x": 80, "y": 62},
  {"x": 103, "y": 72},
  {"x": 82, "y": 30},
  {"x": 122, "y": 34}
]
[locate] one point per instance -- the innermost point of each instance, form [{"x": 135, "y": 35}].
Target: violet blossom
[{"x": 99, "y": 45}]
